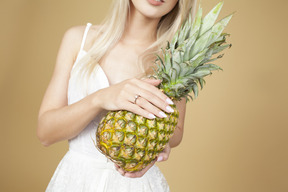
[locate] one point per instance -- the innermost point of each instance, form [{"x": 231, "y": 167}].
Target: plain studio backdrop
[{"x": 235, "y": 137}]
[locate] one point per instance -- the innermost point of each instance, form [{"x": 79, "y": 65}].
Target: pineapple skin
[{"x": 133, "y": 141}]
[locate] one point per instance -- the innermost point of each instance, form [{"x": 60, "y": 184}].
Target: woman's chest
[{"x": 121, "y": 63}]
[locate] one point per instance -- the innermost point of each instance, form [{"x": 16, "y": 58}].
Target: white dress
[{"x": 84, "y": 168}]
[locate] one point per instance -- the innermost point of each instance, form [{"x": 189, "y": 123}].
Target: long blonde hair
[{"x": 112, "y": 29}]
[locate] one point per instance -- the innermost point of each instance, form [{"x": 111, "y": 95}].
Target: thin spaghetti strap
[{"x": 85, "y": 35}]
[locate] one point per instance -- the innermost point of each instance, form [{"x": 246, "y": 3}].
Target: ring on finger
[{"x": 136, "y": 97}]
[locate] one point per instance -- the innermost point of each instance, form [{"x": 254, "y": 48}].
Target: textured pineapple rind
[{"x": 133, "y": 141}]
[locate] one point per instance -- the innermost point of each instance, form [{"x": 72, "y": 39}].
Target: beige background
[{"x": 235, "y": 132}]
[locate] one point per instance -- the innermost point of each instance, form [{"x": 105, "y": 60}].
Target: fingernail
[
  {"x": 169, "y": 101},
  {"x": 169, "y": 109},
  {"x": 151, "y": 116},
  {"x": 162, "y": 114},
  {"x": 160, "y": 158}
]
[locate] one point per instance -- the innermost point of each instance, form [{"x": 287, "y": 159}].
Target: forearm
[
  {"x": 178, "y": 133},
  {"x": 177, "y": 137},
  {"x": 66, "y": 122}
]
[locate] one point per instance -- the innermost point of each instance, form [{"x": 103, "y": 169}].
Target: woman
[{"x": 105, "y": 75}]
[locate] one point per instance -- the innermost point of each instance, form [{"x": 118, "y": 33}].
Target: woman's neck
[{"x": 140, "y": 30}]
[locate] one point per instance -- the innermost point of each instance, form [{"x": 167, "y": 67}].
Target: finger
[
  {"x": 164, "y": 155},
  {"x": 155, "y": 100},
  {"x": 153, "y": 82},
  {"x": 139, "y": 173},
  {"x": 117, "y": 166},
  {"x": 121, "y": 171},
  {"x": 138, "y": 110},
  {"x": 133, "y": 174},
  {"x": 137, "y": 87},
  {"x": 149, "y": 85},
  {"x": 151, "y": 97},
  {"x": 143, "y": 103}
]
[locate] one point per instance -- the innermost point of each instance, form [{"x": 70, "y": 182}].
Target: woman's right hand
[{"x": 151, "y": 101}]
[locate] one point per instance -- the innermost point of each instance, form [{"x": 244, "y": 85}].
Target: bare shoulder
[
  {"x": 91, "y": 36},
  {"x": 73, "y": 37}
]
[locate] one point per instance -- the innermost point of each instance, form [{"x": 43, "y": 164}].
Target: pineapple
[{"x": 133, "y": 141}]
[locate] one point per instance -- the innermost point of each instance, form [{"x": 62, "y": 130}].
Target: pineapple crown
[{"x": 187, "y": 58}]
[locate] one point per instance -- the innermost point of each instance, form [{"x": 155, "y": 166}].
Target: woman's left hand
[{"x": 163, "y": 156}]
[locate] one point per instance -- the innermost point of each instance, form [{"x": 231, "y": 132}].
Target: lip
[{"x": 156, "y": 3}]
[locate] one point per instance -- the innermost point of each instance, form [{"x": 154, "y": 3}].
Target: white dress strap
[{"x": 85, "y": 35}]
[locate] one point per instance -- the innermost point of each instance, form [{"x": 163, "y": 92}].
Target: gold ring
[{"x": 136, "y": 97}]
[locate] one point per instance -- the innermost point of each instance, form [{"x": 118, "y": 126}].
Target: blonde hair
[{"x": 113, "y": 27}]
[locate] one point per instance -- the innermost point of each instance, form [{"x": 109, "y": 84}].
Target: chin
[
  {"x": 151, "y": 11},
  {"x": 153, "y": 14}
]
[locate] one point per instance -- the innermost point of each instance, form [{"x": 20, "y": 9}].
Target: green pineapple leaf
[
  {"x": 218, "y": 49},
  {"x": 210, "y": 18},
  {"x": 187, "y": 58},
  {"x": 202, "y": 83},
  {"x": 201, "y": 73},
  {"x": 195, "y": 90},
  {"x": 174, "y": 42},
  {"x": 195, "y": 28},
  {"x": 218, "y": 28},
  {"x": 210, "y": 67}
]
